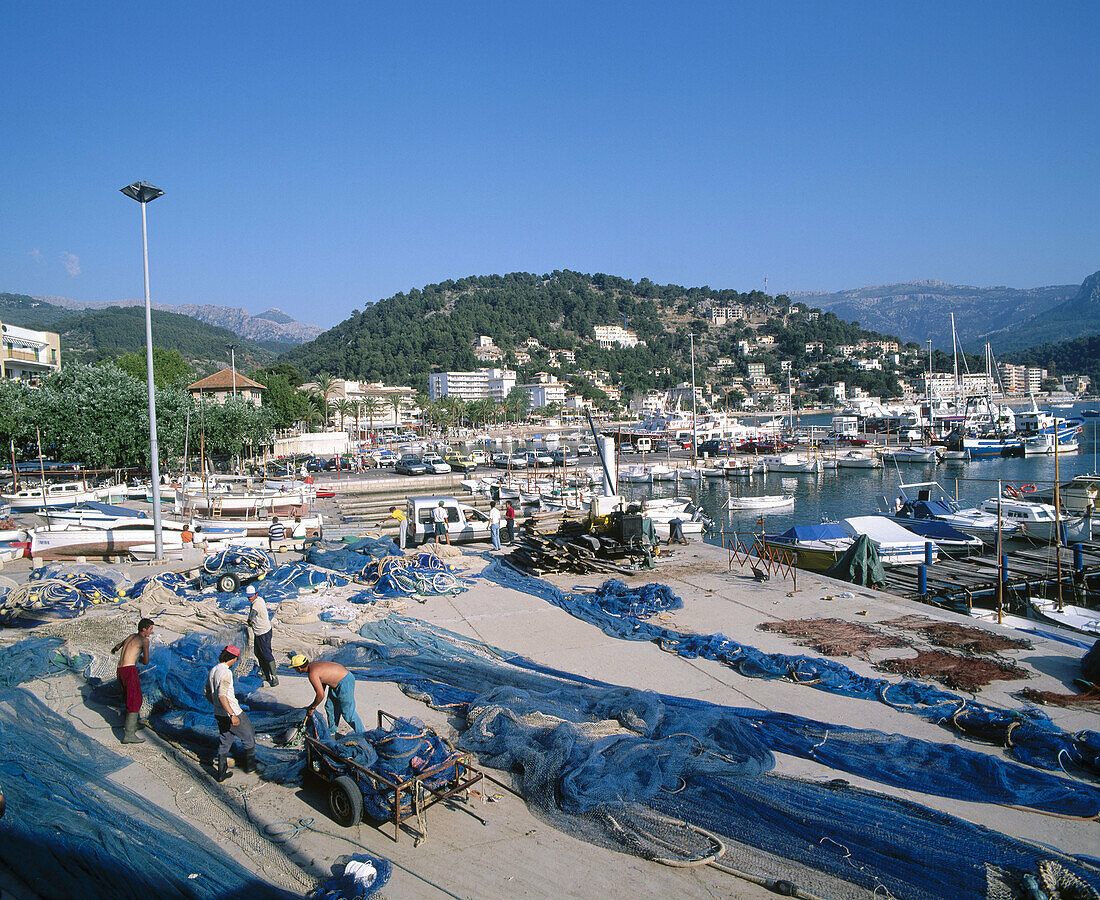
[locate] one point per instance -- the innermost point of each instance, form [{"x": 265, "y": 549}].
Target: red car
[{"x": 855, "y": 441}]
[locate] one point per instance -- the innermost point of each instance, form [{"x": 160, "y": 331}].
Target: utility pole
[{"x": 232, "y": 348}]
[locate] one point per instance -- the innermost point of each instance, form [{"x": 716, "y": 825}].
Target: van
[
  {"x": 643, "y": 445},
  {"x": 464, "y": 523}
]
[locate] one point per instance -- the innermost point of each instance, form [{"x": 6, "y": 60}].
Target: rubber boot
[
  {"x": 248, "y": 764},
  {"x": 223, "y": 769},
  {"x": 130, "y": 735},
  {"x": 267, "y": 667}
]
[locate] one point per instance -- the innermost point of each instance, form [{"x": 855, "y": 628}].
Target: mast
[
  {"x": 1057, "y": 518},
  {"x": 955, "y": 358},
  {"x": 694, "y": 439},
  {"x": 1000, "y": 558},
  {"x": 930, "y": 392}
]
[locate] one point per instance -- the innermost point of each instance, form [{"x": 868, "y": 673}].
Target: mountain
[
  {"x": 918, "y": 310},
  {"x": 19, "y": 309},
  {"x": 1077, "y": 317},
  {"x": 272, "y": 326},
  {"x": 401, "y": 339},
  {"x": 106, "y": 333}
]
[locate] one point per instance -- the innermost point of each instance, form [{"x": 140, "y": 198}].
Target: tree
[
  {"x": 287, "y": 404},
  {"x": 345, "y": 407},
  {"x": 169, "y": 366},
  {"x": 326, "y": 384},
  {"x": 371, "y": 408},
  {"x": 518, "y": 402}
]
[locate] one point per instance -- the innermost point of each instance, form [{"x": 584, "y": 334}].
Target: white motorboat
[
  {"x": 58, "y": 496},
  {"x": 1043, "y": 444},
  {"x": 249, "y": 504},
  {"x": 635, "y": 475},
  {"x": 70, "y": 541},
  {"x": 14, "y": 543},
  {"x": 910, "y": 454},
  {"x": 855, "y": 460},
  {"x": 738, "y": 468},
  {"x": 791, "y": 463},
  {"x": 667, "y": 503},
  {"x": 897, "y": 546},
  {"x": 708, "y": 472},
  {"x": 764, "y": 501},
  {"x": 690, "y": 529},
  {"x": 659, "y": 472},
  {"x": 94, "y": 515},
  {"x": 1038, "y": 522},
  {"x": 928, "y": 500}
]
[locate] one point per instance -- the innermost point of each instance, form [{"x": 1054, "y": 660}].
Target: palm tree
[
  {"x": 371, "y": 407},
  {"x": 455, "y": 408},
  {"x": 345, "y": 408},
  {"x": 326, "y": 385},
  {"x": 315, "y": 409},
  {"x": 394, "y": 401},
  {"x": 425, "y": 407}
]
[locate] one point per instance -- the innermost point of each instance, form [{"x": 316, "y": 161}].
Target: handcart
[
  {"x": 230, "y": 570},
  {"x": 404, "y": 800}
]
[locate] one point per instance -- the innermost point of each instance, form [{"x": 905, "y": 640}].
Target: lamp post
[
  {"x": 232, "y": 348},
  {"x": 144, "y": 193}
]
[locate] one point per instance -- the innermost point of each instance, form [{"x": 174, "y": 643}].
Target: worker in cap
[
  {"x": 334, "y": 686},
  {"x": 233, "y": 722},
  {"x": 402, "y": 525},
  {"x": 439, "y": 517},
  {"x": 260, "y": 623}
]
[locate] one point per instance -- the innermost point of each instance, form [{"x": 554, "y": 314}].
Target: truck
[{"x": 464, "y": 523}]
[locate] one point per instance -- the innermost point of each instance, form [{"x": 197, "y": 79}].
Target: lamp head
[{"x": 142, "y": 191}]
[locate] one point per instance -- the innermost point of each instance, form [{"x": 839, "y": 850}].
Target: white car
[
  {"x": 480, "y": 457},
  {"x": 539, "y": 458},
  {"x": 437, "y": 465}
]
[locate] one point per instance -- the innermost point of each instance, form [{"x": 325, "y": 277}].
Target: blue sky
[{"x": 317, "y": 156}]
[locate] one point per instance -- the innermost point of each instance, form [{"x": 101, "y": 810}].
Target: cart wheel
[
  {"x": 345, "y": 801},
  {"x": 229, "y": 584}
]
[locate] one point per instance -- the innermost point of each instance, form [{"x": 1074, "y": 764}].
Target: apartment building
[
  {"x": 27, "y": 355},
  {"x": 493, "y": 384}
]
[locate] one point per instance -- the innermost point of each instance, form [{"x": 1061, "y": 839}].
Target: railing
[{"x": 748, "y": 549}]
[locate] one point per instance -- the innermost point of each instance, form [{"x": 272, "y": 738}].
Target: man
[
  {"x": 439, "y": 517},
  {"x": 298, "y": 534},
  {"x": 134, "y": 648},
  {"x": 402, "y": 525},
  {"x": 233, "y": 722},
  {"x": 276, "y": 533},
  {"x": 187, "y": 536},
  {"x": 260, "y": 623},
  {"x": 339, "y": 699},
  {"x": 494, "y": 524},
  {"x": 510, "y": 520}
]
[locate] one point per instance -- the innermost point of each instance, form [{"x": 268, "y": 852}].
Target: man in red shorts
[{"x": 134, "y": 648}]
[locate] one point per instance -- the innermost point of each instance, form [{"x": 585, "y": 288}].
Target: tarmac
[{"x": 494, "y": 845}]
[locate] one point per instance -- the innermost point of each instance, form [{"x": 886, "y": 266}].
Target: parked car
[
  {"x": 584, "y": 449},
  {"x": 437, "y": 465},
  {"x": 765, "y": 447},
  {"x": 563, "y": 456},
  {"x": 627, "y": 448},
  {"x": 464, "y": 523},
  {"x": 480, "y": 457},
  {"x": 715, "y": 446},
  {"x": 460, "y": 463},
  {"x": 539, "y": 458},
  {"x": 660, "y": 446},
  {"x": 410, "y": 465},
  {"x": 685, "y": 444}
]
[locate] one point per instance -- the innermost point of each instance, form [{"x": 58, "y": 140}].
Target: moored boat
[{"x": 763, "y": 501}]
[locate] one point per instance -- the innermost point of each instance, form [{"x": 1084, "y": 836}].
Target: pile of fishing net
[
  {"x": 235, "y": 558},
  {"x": 643, "y": 602},
  {"x": 169, "y": 581},
  {"x": 1027, "y": 734},
  {"x": 58, "y": 591},
  {"x": 686, "y": 781},
  {"x": 409, "y": 748},
  {"x": 419, "y": 574},
  {"x": 362, "y": 877},
  {"x": 349, "y": 559},
  {"x": 37, "y": 657}
]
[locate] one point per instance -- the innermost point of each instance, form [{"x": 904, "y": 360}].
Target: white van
[
  {"x": 643, "y": 445},
  {"x": 464, "y": 523}
]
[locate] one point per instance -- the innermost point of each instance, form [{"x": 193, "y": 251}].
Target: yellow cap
[{"x": 297, "y": 661}]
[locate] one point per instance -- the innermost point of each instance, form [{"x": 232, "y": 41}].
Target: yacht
[
  {"x": 1038, "y": 522},
  {"x": 928, "y": 500}
]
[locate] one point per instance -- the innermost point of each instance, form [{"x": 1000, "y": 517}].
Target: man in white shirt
[
  {"x": 233, "y": 722},
  {"x": 494, "y": 524},
  {"x": 260, "y": 623},
  {"x": 439, "y": 517}
]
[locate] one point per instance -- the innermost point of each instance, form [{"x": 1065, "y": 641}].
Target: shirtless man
[
  {"x": 340, "y": 699},
  {"x": 134, "y": 648}
]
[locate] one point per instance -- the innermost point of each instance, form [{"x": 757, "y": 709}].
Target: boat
[
  {"x": 71, "y": 541},
  {"x": 635, "y": 475},
  {"x": 1038, "y": 522},
  {"x": 910, "y": 454},
  {"x": 14, "y": 543},
  {"x": 896, "y": 545},
  {"x": 928, "y": 500},
  {"x": 93, "y": 514},
  {"x": 1043, "y": 444},
  {"x": 791, "y": 463},
  {"x": 813, "y": 547},
  {"x": 662, "y": 529},
  {"x": 1090, "y": 413},
  {"x": 855, "y": 460},
  {"x": 951, "y": 541},
  {"x": 659, "y": 472},
  {"x": 244, "y": 504},
  {"x": 1079, "y": 619},
  {"x": 763, "y": 501},
  {"x": 954, "y": 455},
  {"x": 666, "y": 503},
  {"x": 58, "y": 496}
]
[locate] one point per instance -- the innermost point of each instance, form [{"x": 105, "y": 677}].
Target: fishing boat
[
  {"x": 93, "y": 514},
  {"x": 896, "y": 545},
  {"x": 71, "y": 541},
  {"x": 928, "y": 500},
  {"x": 1038, "y": 522},
  {"x": 763, "y": 501},
  {"x": 1090, "y": 413},
  {"x": 659, "y": 472},
  {"x": 855, "y": 460},
  {"x": 58, "y": 496},
  {"x": 662, "y": 529},
  {"x": 813, "y": 547},
  {"x": 14, "y": 543},
  {"x": 791, "y": 463}
]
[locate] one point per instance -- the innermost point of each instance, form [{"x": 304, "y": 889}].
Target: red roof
[{"x": 223, "y": 381}]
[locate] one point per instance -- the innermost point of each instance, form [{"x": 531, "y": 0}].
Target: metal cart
[{"x": 405, "y": 799}]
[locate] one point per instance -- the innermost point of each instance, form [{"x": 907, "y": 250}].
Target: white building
[
  {"x": 719, "y": 315},
  {"x": 545, "y": 393},
  {"x": 608, "y": 336},
  {"x": 27, "y": 355},
  {"x": 483, "y": 384}
]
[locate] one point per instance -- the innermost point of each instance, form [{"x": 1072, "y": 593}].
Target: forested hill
[
  {"x": 399, "y": 340},
  {"x": 108, "y": 333}
]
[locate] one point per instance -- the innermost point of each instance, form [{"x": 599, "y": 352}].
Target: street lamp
[
  {"x": 232, "y": 348},
  {"x": 144, "y": 193}
]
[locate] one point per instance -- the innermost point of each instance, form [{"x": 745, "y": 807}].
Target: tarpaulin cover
[{"x": 860, "y": 564}]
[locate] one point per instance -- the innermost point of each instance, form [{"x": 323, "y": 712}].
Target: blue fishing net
[
  {"x": 349, "y": 559},
  {"x": 73, "y": 831},
  {"x": 1028, "y": 733},
  {"x": 361, "y": 877},
  {"x": 611, "y": 764},
  {"x": 36, "y": 657},
  {"x": 175, "y": 582}
]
